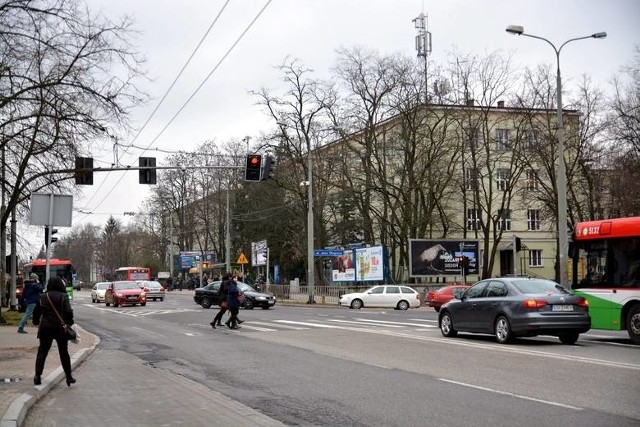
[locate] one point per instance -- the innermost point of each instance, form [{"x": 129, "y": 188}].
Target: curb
[{"x": 17, "y": 411}]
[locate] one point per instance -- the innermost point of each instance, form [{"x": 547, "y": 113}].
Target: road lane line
[
  {"x": 507, "y": 393},
  {"x": 267, "y": 324},
  {"x": 386, "y": 322}
]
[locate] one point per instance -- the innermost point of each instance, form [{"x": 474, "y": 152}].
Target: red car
[
  {"x": 443, "y": 295},
  {"x": 124, "y": 293}
]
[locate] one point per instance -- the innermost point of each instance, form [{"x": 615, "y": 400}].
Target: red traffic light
[{"x": 254, "y": 160}]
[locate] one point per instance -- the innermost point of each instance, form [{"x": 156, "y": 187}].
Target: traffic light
[
  {"x": 46, "y": 235},
  {"x": 267, "y": 168},
  {"x": 147, "y": 176},
  {"x": 253, "y": 168},
  {"x": 518, "y": 244},
  {"x": 84, "y": 171}
]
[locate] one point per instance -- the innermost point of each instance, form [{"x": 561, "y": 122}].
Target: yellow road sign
[{"x": 242, "y": 259}]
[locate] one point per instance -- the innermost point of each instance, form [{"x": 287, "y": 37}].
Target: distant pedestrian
[
  {"x": 223, "y": 294},
  {"x": 233, "y": 301},
  {"x": 52, "y": 303},
  {"x": 31, "y": 295}
]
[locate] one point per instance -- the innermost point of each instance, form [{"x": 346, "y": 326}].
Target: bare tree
[{"x": 64, "y": 76}]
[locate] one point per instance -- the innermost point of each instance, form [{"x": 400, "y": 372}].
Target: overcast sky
[{"x": 311, "y": 30}]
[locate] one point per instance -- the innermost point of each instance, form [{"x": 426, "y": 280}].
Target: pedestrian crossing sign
[{"x": 242, "y": 259}]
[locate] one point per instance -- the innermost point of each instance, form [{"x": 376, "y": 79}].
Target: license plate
[
  {"x": 271, "y": 302},
  {"x": 133, "y": 298},
  {"x": 562, "y": 307}
]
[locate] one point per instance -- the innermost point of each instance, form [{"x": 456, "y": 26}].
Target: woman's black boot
[
  {"x": 37, "y": 380},
  {"x": 70, "y": 380}
]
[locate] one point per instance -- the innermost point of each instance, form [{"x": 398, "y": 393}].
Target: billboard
[
  {"x": 363, "y": 264},
  {"x": 343, "y": 268},
  {"x": 429, "y": 257},
  {"x": 259, "y": 253},
  {"x": 369, "y": 264},
  {"x": 188, "y": 259}
]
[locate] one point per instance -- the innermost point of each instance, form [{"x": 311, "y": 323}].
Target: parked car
[
  {"x": 208, "y": 296},
  {"x": 153, "y": 289},
  {"x": 398, "y": 297},
  {"x": 124, "y": 293},
  {"x": 98, "y": 291},
  {"x": 518, "y": 306},
  {"x": 438, "y": 297}
]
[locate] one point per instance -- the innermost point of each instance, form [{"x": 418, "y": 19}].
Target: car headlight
[
  {"x": 119, "y": 295},
  {"x": 261, "y": 298}
]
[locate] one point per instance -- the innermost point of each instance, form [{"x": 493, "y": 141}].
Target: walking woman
[
  {"x": 53, "y": 304},
  {"x": 223, "y": 294},
  {"x": 234, "y": 304}
]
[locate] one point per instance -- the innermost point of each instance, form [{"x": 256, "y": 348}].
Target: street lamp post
[
  {"x": 310, "y": 236},
  {"x": 561, "y": 179}
]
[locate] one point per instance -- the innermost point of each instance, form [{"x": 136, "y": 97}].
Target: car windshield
[
  {"x": 126, "y": 285},
  {"x": 245, "y": 288},
  {"x": 153, "y": 285},
  {"x": 102, "y": 286},
  {"x": 530, "y": 286}
]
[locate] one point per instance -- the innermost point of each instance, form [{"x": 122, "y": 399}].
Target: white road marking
[
  {"x": 253, "y": 322},
  {"x": 373, "y": 323},
  {"x": 507, "y": 393},
  {"x": 396, "y": 323}
]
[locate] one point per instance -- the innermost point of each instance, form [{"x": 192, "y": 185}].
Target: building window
[
  {"x": 502, "y": 179},
  {"x": 533, "y": 219},
  {"x": 535, "y": 258},
  {"x": 502, "y": 139},
  {"x": 531, "y": 140},
  {"x": 473, "y": 139},
  {"x": 473, "y": 219},
  {"x": 532, "y": 180},
  {"x": 472, "y": 179},
  {"x": 504, "y": 220}
]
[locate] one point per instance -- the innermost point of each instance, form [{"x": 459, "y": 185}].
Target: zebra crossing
[
  {"x": 358, "y": 324},
  {"x": 252, "y": 325},
  {"x": 140, "y": 311}
]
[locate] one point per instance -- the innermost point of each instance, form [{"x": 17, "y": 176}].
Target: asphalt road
[{"x": 330, "y": 366}]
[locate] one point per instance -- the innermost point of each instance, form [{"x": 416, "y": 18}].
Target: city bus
[
  {"x": 606, "y": 271},
  {"x": 133, "y": 273},
  {"x": 57, "y": 267}
]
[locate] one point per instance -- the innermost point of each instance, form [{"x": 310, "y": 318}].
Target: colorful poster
[
  {"x": 369, "y": 264},
  {"x": 440, "y": 257},
  {"x": 343, "y": 267}
]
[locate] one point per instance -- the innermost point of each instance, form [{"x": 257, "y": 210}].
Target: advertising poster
[
  {"x": 343, "y": 267},
  {"x": 259, "y": 253},
  {"x": 188, "y": 259},
  {"x": 429, "y": 257},
  {"x": 369, "y": 264}
]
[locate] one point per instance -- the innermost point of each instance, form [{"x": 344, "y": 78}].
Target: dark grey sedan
[{"x": 517, "y": 306}]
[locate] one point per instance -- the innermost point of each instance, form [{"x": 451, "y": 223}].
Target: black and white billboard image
[{"x": 430, "y": 257}]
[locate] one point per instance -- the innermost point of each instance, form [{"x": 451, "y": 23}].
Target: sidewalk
[{"x": 101, "y": 375}]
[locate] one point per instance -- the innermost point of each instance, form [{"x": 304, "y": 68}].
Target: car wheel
[
  {"x": 161, "y": 299},
  {"x": 115, "y": 304},
  {"x": 403, "y": 305},
  {"x": 446, "y": 325},
  {"x": 107, "y": 303},
  {"x": 248, "y": 304},
  {"x": 143, "y": 304},
  {"x": 503, "y": 330},
  {"x": 633, "y": 324},
  {"x": 569, "y": 338},
  {"x": 205, "y": 303},
  {"x": 357, "y": 304}
]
